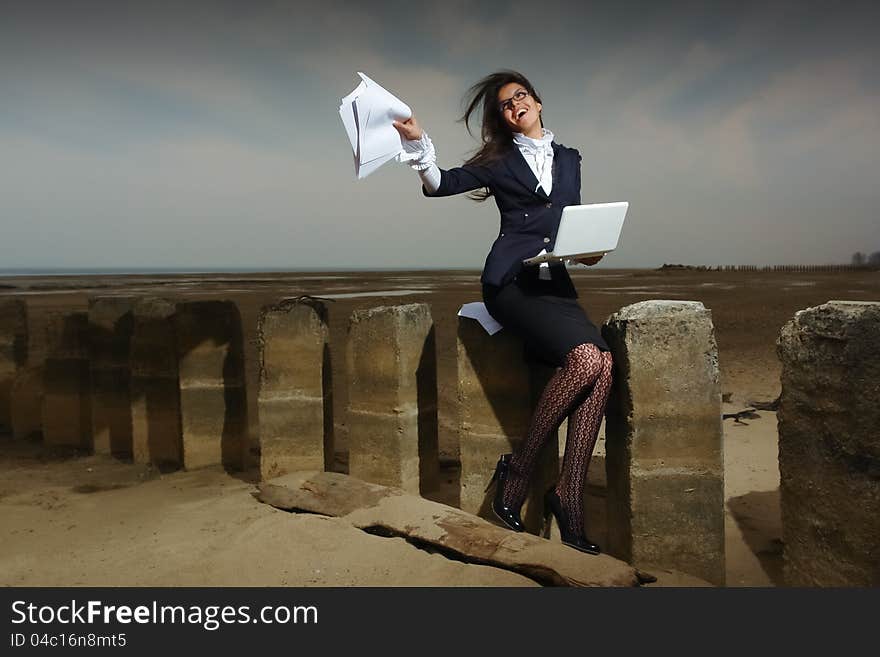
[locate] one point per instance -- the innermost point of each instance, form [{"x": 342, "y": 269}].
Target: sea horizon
[
  {"x": 100, "y": 271},
  {"x": 12, "y": 272}
]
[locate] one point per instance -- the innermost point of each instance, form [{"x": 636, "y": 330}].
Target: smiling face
[{"x": 519, "y": 109}]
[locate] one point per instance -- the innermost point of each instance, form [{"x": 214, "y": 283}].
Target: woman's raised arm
[{"x": 420, "y": 155}]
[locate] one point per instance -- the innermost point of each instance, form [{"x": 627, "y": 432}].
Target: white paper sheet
[
  {"x": 477, "y": 310},
  {"x": 367, "y": 114}
]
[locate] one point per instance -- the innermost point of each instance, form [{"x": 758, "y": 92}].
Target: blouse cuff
[
  {"x": 418, "y": 153},
  {"x": 430, "y": 178}
]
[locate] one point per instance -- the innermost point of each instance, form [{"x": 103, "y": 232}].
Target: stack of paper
[{"x": 368, "y": 113}]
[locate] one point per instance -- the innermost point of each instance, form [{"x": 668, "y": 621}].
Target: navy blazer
[{"x": 529, "y": 218}]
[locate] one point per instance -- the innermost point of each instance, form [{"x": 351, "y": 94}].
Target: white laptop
[{"x": 585, "y": 231}]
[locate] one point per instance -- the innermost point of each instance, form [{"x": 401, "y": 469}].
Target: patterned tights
[{"x": 579, "y": 390}]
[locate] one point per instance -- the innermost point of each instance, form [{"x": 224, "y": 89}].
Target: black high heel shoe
[
  {"x": 508, "y": 515},
  {"x": 552, "y": 504}
]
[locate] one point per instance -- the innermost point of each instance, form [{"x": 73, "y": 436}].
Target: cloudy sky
[{"x": 207, "y": 135}]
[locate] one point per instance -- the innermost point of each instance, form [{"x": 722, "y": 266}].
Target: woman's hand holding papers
[{"x": 409, "y": 129}]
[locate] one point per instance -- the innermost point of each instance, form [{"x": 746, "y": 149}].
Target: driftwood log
[{"x": 456, "y": 534}]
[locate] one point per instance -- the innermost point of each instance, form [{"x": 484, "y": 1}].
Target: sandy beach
[{"x": 75, "y": 519}]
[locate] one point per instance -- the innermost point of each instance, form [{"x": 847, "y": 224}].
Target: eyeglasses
[{"x": 517, "y": 97}]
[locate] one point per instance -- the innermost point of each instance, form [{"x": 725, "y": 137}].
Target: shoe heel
[
  {"x": 509, "y": 516},
  {"x": 578, "y": 542}
]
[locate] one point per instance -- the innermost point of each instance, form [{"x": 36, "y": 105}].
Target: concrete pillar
[
  {"x": 155, "y": 392},
  {"x": 829, "y": 445},
  {"x": 663, "y": 439},
  {"x": 295, "y": 402},
  {"x": 67, "y": 400},
  {"x": 111, "y": 323},
  {"x": 26, "y": 395},
  {"x": 213, "y": 402},
  {"x": 392, "y": 413},
  {"x": 497, "y": 392},
  {"x": 13, "y": 353},
  {"x": 26, "y": 400}
]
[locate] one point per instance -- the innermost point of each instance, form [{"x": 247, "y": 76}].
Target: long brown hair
[{"x": 496, "y": 137}]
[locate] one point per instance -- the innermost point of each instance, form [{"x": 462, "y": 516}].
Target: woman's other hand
[
  {"x": 409, "y": 129},
  {"x": 591, "y": 261}
]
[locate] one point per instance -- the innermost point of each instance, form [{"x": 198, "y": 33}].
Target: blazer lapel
[{"x": 521, "y": 170}]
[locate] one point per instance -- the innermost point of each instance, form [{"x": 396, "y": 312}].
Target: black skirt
[{"x": 545, "y": 314}]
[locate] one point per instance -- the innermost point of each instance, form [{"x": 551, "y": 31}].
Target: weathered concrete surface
[
  {"x": 392, "y": 413},
  {"x": 213, "y": 402},
  {"x": 392, "y": 512},
  {"x": 27, "y": 391},
  {"x": 111, "y": 323},
  {"x": 66, "y": 404},
  {"x": 155, "y": 392},
  {"x": 13, "y": 353},
  {"x": 497, "y": 391},
  {"x": 829, "y": 445},
  {"x": 26, "y": 402},
  {"x": 664, "y": 451},
  {"x": 295, "y": 399}
]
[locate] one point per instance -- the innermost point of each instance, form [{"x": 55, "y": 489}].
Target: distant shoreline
[
  {"x": 15, "y": 272},
  {"x": 105, "y": 271}
]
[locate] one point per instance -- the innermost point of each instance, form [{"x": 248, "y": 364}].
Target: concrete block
[
  {"x": 213, "y": 402},
  {"x": 497, "y": 393},
  {"x": 295, "y": 397},
  {"x": 155, "y": 388},
  {"x": 385, "y": 447},
  {"x": 13, "y": 353},
  {"x": 664, "y": 450},
  {"x": 829, "y": 445},
  {"x": 26, "y": 402},
  {"x": 392, "y": 414},
  {"x": 111, "y": 323},
  {"x": 66, "y": 407}
]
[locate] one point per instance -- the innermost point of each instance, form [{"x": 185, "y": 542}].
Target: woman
[{"x": 532, "y": 179}]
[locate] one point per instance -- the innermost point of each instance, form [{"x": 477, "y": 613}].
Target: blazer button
[
  {"x": 546, "y": 240},
  {"x": 527, "y": 214},
  {"x": 548, "y": 205}
]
